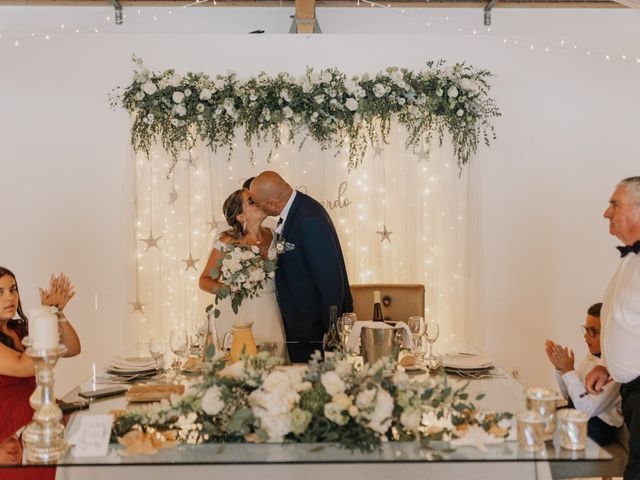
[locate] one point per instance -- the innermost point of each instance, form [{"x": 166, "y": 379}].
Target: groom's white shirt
[{"x": 285, "y": 212}]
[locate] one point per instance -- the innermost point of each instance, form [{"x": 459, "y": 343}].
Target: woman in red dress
[{"x": 17, "y": 381}]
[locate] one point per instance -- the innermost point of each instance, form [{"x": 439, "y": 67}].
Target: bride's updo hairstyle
[{"x": 232, "y": 208}]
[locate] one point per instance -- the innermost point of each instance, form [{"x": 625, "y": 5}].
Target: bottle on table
[
  {"x": 331, "y": 341},
  {"x": 377, "y": 307}
]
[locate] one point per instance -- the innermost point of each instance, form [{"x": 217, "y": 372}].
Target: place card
[{"x": 89, "y": 435}]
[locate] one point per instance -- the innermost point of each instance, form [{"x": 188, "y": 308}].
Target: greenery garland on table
[
  {"x": 256, "y": 400},
  {"x": 328, "y": 107}
]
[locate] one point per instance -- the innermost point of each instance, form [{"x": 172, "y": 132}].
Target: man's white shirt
[
  {"x": 285, "y": 212},
  {"x": 620, "y": 317}
]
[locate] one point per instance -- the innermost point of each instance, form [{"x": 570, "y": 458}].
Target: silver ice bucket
[{"x": 376, "y": 343}]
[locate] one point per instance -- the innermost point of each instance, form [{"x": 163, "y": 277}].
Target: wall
[{"x": 541, "y": 251}]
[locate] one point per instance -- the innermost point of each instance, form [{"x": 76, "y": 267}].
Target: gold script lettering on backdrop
[{"x": 341, "y": 202}]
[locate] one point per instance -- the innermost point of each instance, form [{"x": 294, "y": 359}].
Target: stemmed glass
[
  {"x": 432, "y": 334},
  {"x": 345, "y": 325},
  {"x": 416, "y": 325},
  {"x": 200, "y": 325},
  {"x": 179, "y": 343},
  {"x": 157, "y": 349}
]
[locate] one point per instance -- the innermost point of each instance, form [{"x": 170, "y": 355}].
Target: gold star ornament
[
  {"x": 151, "y": 241},
  {"x": 190, "y": 262},
  {"x": 384, "y": 234}
]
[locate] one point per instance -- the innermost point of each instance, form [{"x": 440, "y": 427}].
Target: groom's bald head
[{"x": 270, "y": 192}]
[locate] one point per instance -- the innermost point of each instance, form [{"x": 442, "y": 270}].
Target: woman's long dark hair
[
  {"x": 21, "y": 324},
  {"x": 232, "y": 208}
]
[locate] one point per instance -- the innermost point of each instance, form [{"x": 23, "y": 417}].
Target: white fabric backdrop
[{"x": 420, "y": 197}]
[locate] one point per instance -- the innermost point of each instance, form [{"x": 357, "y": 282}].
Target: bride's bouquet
[{"x": 244, "y": 272}]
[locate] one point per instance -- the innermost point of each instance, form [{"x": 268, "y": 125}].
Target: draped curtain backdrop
[{"x": 419, "y": 197}]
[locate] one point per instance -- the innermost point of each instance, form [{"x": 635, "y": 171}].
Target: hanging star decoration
[
  {"x": 151, "y": 241},
  {"x": 137, "y": 306},
  {"x": 423, "y": 154},
  {"x": 377, "y": 151},
  {"x": 173, "y": 195},
  {"x": 384, "y": 234},
  {"x": 191, "y": 161},
  {"x": 190, "y": 262}
]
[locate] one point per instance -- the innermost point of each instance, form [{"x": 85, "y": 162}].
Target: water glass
[
  {"x": 157, "y": 349},
  {"x": 432, "y": 332},
  {"x": 200, "y": 325},
  {"x": 345, "y": 325},
  {"x": 179, "y": 343}
]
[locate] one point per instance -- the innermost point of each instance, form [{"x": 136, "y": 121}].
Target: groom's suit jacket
[{"x": 311, "y": 276}]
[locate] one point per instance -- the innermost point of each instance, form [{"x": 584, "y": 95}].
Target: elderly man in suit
[
  {"x": 620, "y": 317},
  {"x": 311, "y": 273}
]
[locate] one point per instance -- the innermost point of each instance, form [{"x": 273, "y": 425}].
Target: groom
[{"x": 311, "y": 274}]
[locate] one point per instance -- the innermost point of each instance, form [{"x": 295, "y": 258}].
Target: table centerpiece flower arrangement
[{"x": 258, "y": 400}]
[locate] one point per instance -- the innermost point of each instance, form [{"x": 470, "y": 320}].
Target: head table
[{"x": 321, "y": 461}]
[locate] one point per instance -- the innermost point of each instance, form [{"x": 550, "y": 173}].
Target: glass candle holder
[
  {"x": 530, "y": 431},
  {"x": 572, "y": 429}
]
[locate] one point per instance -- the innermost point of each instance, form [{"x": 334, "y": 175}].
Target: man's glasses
[{"x": 591, "y": 332}]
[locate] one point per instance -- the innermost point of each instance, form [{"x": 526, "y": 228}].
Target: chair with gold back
[{"x": 399, "y": 301}]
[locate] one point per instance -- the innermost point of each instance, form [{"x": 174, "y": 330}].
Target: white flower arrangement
[
  {"x": 332, "y": 109},
  {"x": 257, "y": 400},
  {"x": 243, "y": 271}
]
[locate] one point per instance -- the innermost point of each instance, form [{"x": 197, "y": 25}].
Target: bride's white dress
[{"x": 262, "y": 310}]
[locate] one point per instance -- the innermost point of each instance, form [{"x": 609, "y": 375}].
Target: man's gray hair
[{"x": 632, "y": 185}]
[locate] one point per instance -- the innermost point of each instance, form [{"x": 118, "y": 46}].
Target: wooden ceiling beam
[{"x": 330, "y": 3}]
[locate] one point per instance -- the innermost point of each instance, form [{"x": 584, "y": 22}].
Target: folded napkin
[
  {"x": 133, "y": 363},
  {"x": 353, "y": 343},
  {"x": 153, "y": 393}
]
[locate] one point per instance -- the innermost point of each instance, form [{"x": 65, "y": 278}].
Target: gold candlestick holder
[{"x": 43, "y": 438}]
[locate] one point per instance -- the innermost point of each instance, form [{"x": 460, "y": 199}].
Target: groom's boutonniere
[{"x": 282, "y": 246}]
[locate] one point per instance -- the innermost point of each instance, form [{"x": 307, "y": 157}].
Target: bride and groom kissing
[{"x": 311, "y": 274}]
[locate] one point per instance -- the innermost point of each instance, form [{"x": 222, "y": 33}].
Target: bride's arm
[{"x": 207, "y": 282}]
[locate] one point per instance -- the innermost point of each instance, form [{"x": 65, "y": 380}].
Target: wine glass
[
  {"x": 345, "y": 325},
  {"x": 416, "y": 325},
  {"x": 200, "y": 325},
  {"x": 179, "y": 343},
  {"x": 432, "y": 333},
  {"x": 157, "y": 349}
]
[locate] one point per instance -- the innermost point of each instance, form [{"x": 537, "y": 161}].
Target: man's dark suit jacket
[{"x": 310, "y": 277}]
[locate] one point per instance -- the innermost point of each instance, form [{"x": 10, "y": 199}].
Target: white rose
[
  {"x": 332, "y": 383},
  {"x": 284, "y": 94},
  {"x": 400, "y": 380},
  {"x": 205, "y": 94},
  {"x": 276, "y": 426},
  {"x": 319, "y": 99},
  {"x": 256, "y": 276},
  {"x": 151, "y": 117},
  {"x": 288, "y": 113},
  {"x": 212, "y": 402},
  {"x": 333, "y": 412},
  {"x": 177, "y": 97},
  {"x": 351, "y": 104},
  {"x": 200, "y": 108},
  {"x": 401, "y": 101},
  {"x": 411, "y": 418},
  {"x": 175, "y": 122},
  {"x": 378, "y": 90},
  {"x": 139, "y": 95},
  {"x": 175, "y": 80},
  {"x": 247, "y": 255},
  {"x": 149, "y": 88},
  {"x": 365, "y": 398},
  {"x": 326, "y": 76},
  {"x": 343, "y": 368},
  {"x": 306, "y": 86},
  {"x": 181, "y": 110},
  {"x": 380, "y": 420},
  {"x": 187, "y": 92},
  {"x": 439, "y": 92},
  {"x": 452, "y": 92},
  {"x": 460, "y": 112},
  {"x": 234, "y": 371}
]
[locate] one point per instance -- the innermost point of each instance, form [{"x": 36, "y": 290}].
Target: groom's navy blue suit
[{"x": 311, "y": 277}]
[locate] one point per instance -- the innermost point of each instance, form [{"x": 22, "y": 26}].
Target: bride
[{"x": 245, "y": 220}]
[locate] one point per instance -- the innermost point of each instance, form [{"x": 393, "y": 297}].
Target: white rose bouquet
[{"x": 243, "y": 271}]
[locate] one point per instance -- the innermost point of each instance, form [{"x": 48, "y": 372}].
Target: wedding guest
[
  {"x": 17, "y": 370},
  {"x": 603, "y": 410},
  {"x": 620, "y": 335},
  {"x": 10, "y": 451}
]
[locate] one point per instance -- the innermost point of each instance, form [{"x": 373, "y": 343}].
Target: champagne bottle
[
  {"x": 211, "y": 339},
  {"x": 377, "y": 307},
  {"x": 331, "y": 342}
]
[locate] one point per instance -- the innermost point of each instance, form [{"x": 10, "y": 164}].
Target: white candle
[{"x": 43, "y": 329}]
